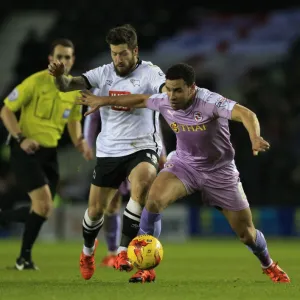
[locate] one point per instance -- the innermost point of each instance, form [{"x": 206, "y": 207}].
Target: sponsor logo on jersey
[
  {"x": 198, "y": 116},
  {"x": 222, "y": 102},
  {"x": 13, "y": 95},
  {"x": 183, "y": 127},
  {"x": 135, "y": 82},
  {"x": 66, "y": 113},
  {"x": 118, "y": 93}
]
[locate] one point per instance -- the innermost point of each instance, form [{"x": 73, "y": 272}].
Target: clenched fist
[{"x": 56, "y": 68}]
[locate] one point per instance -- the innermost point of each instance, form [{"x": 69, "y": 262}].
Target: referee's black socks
[{"x": 33, "y": 226}]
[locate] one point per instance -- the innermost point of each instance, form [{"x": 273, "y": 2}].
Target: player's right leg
[
  {"x": 92, "y": 223},
  {"x": 166, "y": 189},
  {"x": 107, "y": 177}
]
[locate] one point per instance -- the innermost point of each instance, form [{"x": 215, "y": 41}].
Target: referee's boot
[{"x": 22, "y": 264}]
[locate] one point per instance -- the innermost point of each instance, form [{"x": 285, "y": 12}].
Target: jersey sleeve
[
  {"x": 76, "y": 113},
  {"x": 20, "y": 96},
  {"x": 215, "y": 105},
  {"x": 155, "y": 102},
  {"x": 157, "y": 80},
  {"x": 94, "y": 77}
]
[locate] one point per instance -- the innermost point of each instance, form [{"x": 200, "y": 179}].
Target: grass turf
[{"x": 202, "y": 269}]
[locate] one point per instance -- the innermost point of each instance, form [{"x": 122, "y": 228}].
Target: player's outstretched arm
[
  {"x": 64, "y": 83},
  {"x": 132, "y": 100},
  {"x": 251, "y": 123}
]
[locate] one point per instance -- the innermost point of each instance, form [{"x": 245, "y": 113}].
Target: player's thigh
[
  {"x": 166, "y": 189},
  {"x": 99, "y": 199},
  {"x": 225, "y": 197},
  {"x": 142, "y": 170},
  {"x": 222, "y": 188}
]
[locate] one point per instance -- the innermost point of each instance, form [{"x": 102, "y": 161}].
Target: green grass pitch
[{"x": 201, "y": 269}]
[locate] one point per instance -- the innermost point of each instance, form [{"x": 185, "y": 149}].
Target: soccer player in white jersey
[
  {"x": 112, "y": 222},
  {"x": 127, "y": 146},
  {"x": 204, "y": 157}
]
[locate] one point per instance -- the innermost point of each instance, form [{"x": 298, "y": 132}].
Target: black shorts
[
  {"x": 111, "y": 171},
  {"x": 33, "y": 171}
]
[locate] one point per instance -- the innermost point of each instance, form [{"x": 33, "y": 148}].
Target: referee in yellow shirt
[{"x": 44, "y": 112}]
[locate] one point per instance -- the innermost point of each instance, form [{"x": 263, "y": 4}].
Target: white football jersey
[{"x": 125, "y": 130}]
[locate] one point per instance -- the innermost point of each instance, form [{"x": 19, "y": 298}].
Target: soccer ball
[{"x": 145, "y": 252}]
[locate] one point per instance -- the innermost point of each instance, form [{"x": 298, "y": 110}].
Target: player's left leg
[
  {"x": 223, "y": 189},
  {"x": 142, "y": 170},
  {"x": 112, "y": 228},
  {"x": 242, "y": 224}
]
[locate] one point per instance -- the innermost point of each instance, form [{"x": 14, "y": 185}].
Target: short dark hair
[
  {"x": 63, "y": 42},
  {"x": 125, "y": 34},
  {"x": 182, "y": 71}
]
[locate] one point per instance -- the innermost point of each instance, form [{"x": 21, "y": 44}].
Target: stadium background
[{"x": 249, "y": 55}]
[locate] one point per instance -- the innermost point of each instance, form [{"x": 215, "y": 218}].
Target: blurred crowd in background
[{"x": 253, "y": 58}]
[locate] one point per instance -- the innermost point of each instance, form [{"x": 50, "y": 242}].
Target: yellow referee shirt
[{"x": 44, "y": 109}]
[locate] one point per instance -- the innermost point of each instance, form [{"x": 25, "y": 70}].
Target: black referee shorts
[
  {"x": 33, "y": 171},
  {"x": 112, "y": 171}
]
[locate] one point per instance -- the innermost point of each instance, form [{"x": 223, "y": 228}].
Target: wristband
[{"x": 20, "y": 138}]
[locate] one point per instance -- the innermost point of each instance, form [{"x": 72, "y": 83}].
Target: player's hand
[
  {"x": 92, "y": 110},
  {"x": 29, "y": 146},
  {"x": 56, "y": 68},
  {"x": 259, "y": 145},
  {"x": 89, "y": 99}
]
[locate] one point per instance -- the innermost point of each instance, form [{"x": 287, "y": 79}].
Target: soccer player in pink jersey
[{"x": 204, "y": 157}]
